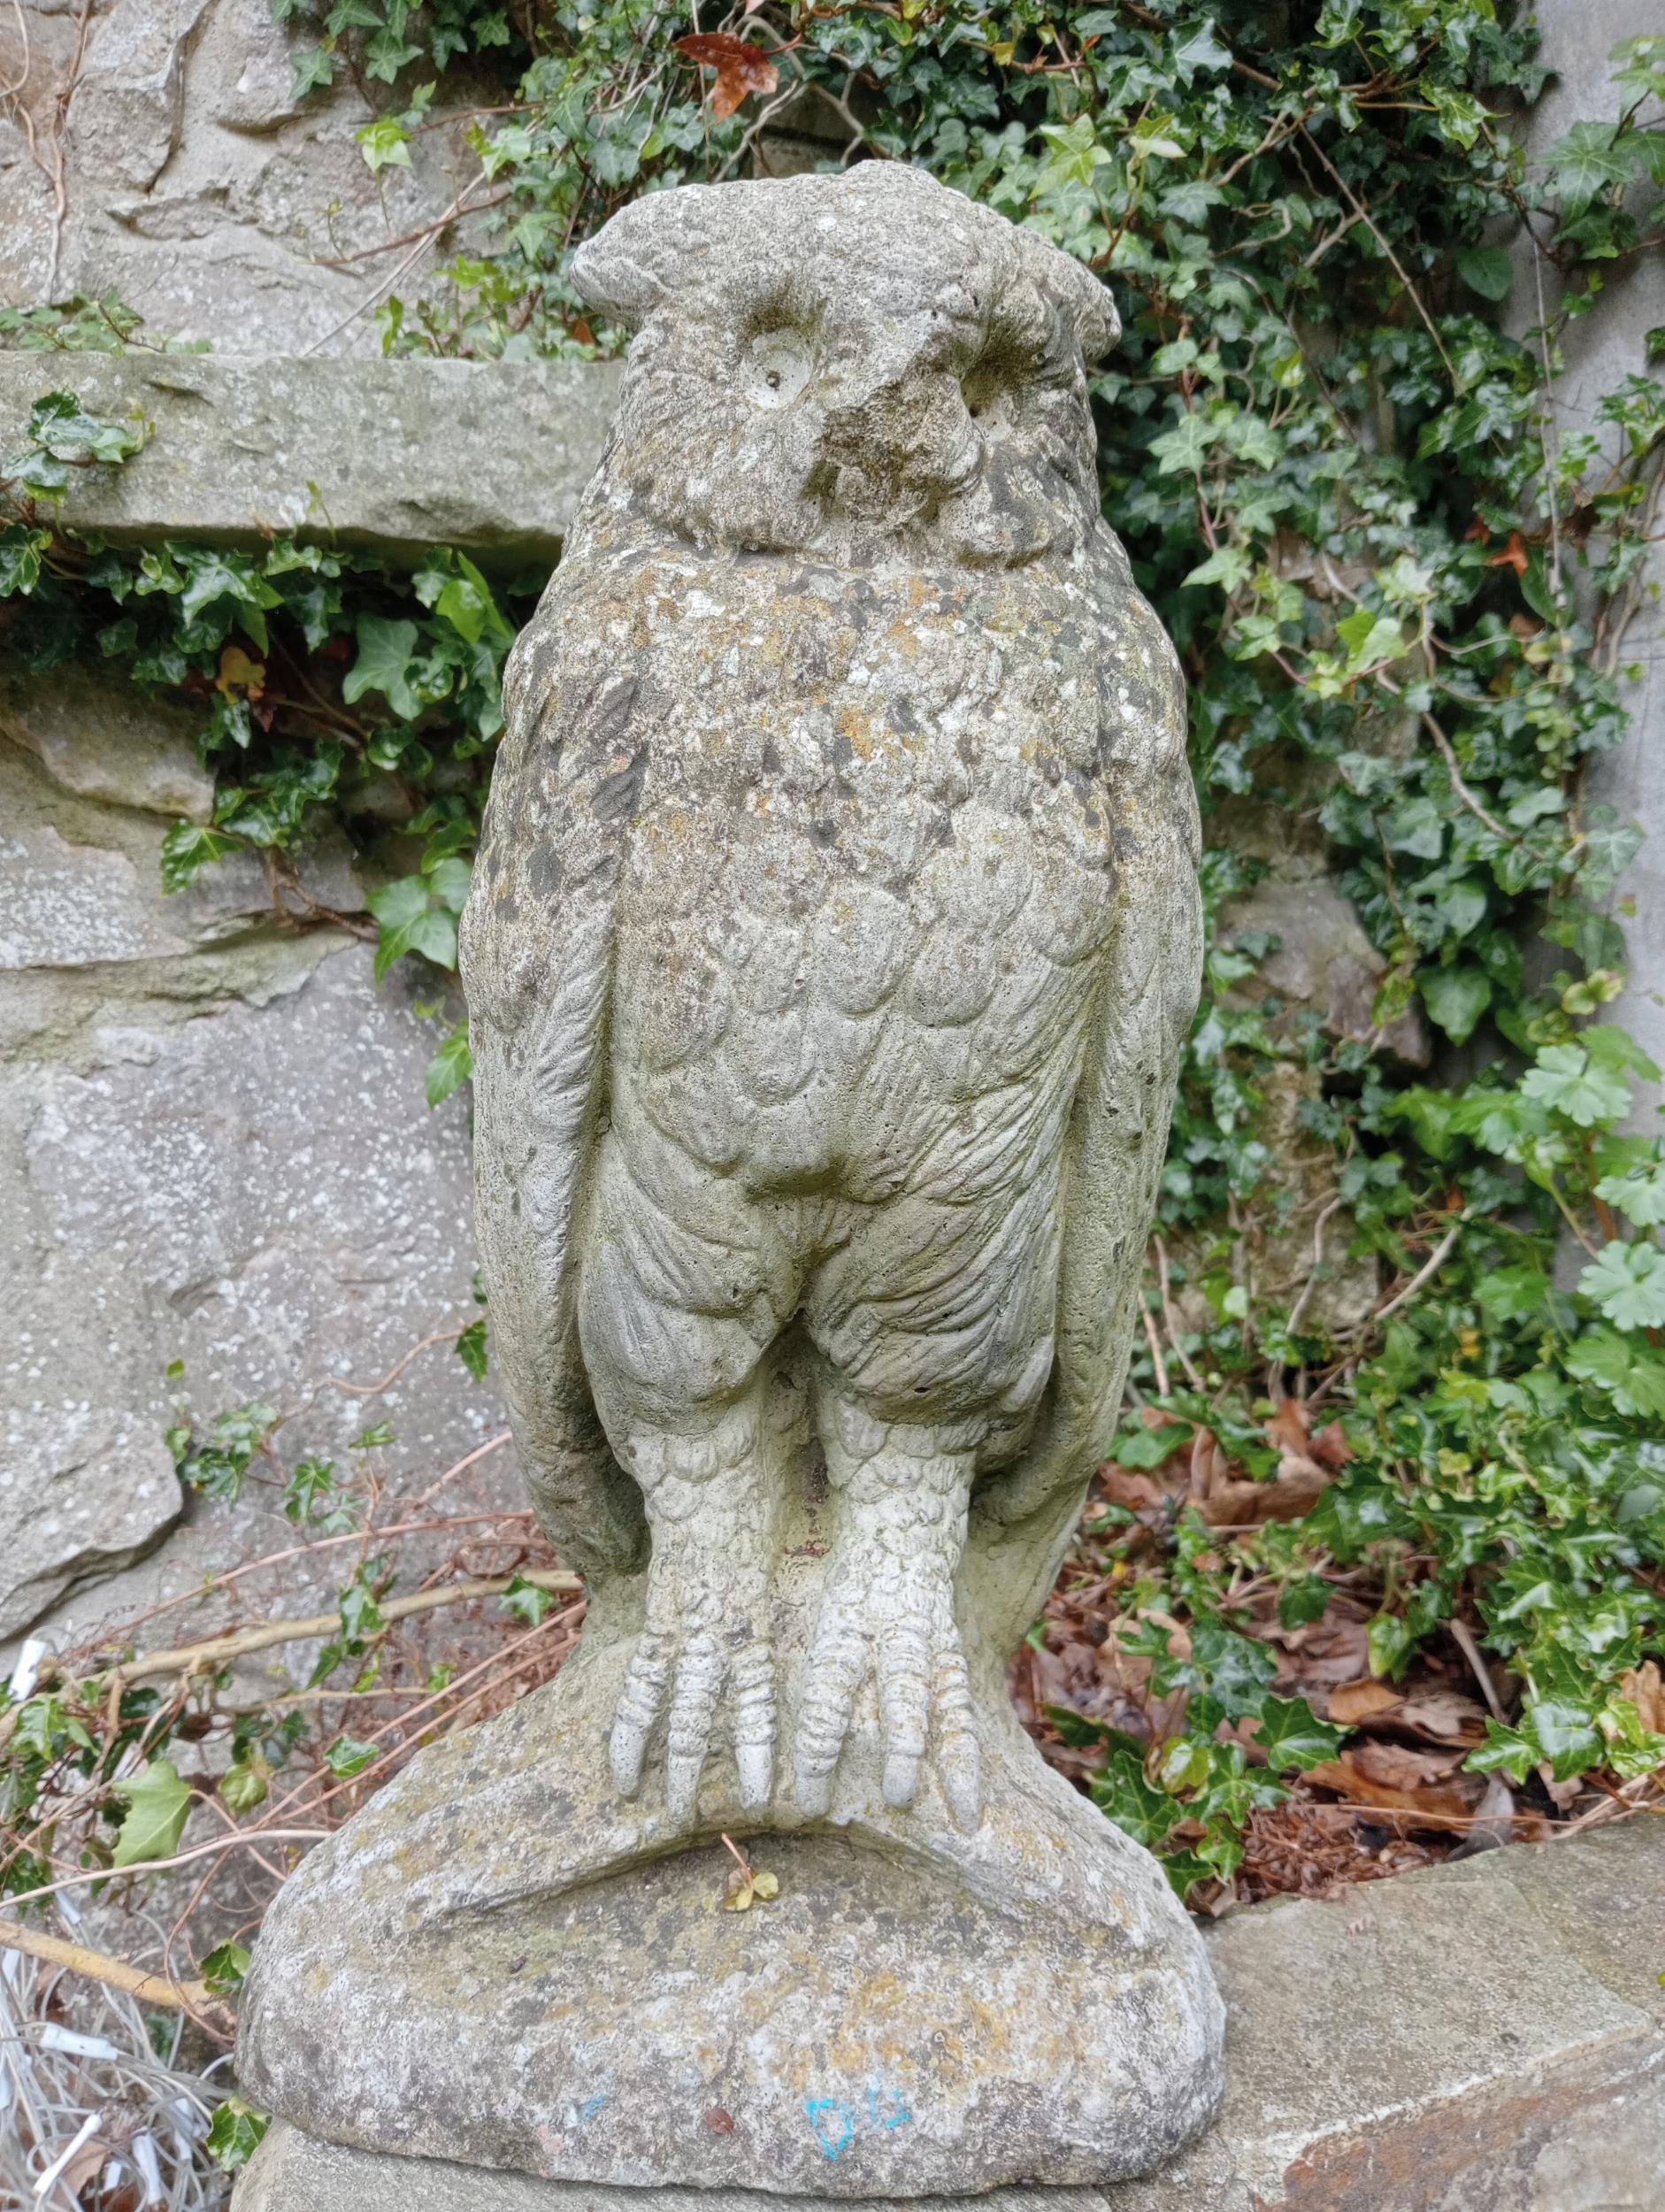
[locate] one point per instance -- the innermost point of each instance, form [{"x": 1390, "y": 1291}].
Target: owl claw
[
  {"x": 901, "y": 1628},
  {"x": 684, "y": 1678}
]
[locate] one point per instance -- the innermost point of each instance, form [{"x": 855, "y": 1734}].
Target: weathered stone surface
[
  {"x": 101, "y": 738},
  {"x": 249, "y": 1182},
  {"x": 395, "y": 455},
  {"x": 1598, "y": 351},
  {"x": 501, "y": 1958},
  {"x": 213, "y": 1145},
  {"x": 201, "y": 191},
  {"x": 1322, "y": 961},
  {"x": 833, "y": 937},
  {"x": 1487, "y": 2037}
]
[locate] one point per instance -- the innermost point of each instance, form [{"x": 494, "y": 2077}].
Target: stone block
[
  {"x": 251, "y": 1182},
  {"x": 388, "y": 457},
  {"x": 97, "y": 735},
  {"x": 1483, "y": 2037}
]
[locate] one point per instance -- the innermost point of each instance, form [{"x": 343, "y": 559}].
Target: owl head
[{"x": 862, "y": 366}]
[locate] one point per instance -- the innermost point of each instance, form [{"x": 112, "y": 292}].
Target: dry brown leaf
[
  {"x": 1444, "y": 1715},
  {"x": 1291, "y": 1495},
  {"x": 1131, "y": 1488},
  {"x": 1289, "y": 1427},
  {"x": 740, "y": 69},
  {"x": 1210, "y": 1466},
  {"x": 1351, "y": 1702},
  {"x": 1331, "y": 1446},
  {"x": 1398, "y": 1767},
  {"x": 1645, "y": 1690},
  {"x": 1445, "y": 1806}
]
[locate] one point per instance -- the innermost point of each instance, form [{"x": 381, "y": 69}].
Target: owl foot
[
  {"x": 700, "y": 1653},
  {"x": 685, "y": 1678},
  {"x": 890, "y": 1612}
]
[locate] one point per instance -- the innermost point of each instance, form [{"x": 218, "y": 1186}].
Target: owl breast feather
[{"x": 866, "y": 828}]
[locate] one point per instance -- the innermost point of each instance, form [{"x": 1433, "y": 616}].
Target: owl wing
[
  {"x": 1118, "y": 1135},
  {"x": 538, "y": 941}
]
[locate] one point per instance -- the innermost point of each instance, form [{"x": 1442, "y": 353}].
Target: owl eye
[
  {"x": 987, "y": 387},
  {"x": 775, "y": 367}
]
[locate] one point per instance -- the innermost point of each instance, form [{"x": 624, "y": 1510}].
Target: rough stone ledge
[
  {"x": 1486, "y": 2037},
  {"x": 390, "y": 456}
]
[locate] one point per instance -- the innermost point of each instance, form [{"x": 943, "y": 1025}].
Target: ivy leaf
[
  {"x": 1486, "y": 270},
  {"x": 1369, "y": 637},
  {"x": 1186, "y": 446},
  {"x": 526, "y": 1601},
  {"x": 189, "y": 848},
  {"x": 408, "y": 921},
  {"x": 314, "y": 66},
  {"x": 449, "y": 881},
  {"x": 157, "y": 1804},
  {"x": 235, "y": 2133},
  {"x": 1564, "y": 1734},
  {"x": 386, "y": 651},
  {"x": 346, "y": 1756},
  {"x": 1199, "y": 49},
  {"x": 385, "y": 143},
  {"x": 226, "y": 1969},
  {"x": 450, "y": 1067},
  {"x": 1589, "y": 160},
  {"x": 1456, "y": 998},
  {"x": 470, "y": 1349},
  {"x": 309, "y": 1488},
  {"x": 21, "y": 551},
  {"x": 244, "y": 1785},
  {"x": 1228, "y": 566},
  {"x": 1627, "y": 1281},
  {"x": 1293, "y": 1737}
]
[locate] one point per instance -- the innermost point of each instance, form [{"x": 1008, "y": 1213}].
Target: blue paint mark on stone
[
  {"x": 898, "y": 2115},
  {"x": 834, "y": 2124},
  {"x": 591, "y": 2105}
]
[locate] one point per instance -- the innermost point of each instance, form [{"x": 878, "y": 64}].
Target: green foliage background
[{"x": 1402, "y": 603}]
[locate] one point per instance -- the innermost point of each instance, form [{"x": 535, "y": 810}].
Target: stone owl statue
[
  {"x": 835, "y": 933},
  {"x": 833, "y": 936}
]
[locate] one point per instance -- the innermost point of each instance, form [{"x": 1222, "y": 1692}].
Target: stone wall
[
  {"x": 215, "y": 1148},
  {"x": 214, "y": 1143},
  {"x": 196, "y": 186},
  {"x": 1606, "y": 346}
]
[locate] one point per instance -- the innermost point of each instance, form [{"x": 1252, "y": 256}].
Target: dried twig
[
  {"x": 1431, "y": 1266},
  {"x": 149, "y": 1989},
  {"x": 1462, "y": 789},
  {"x": 1318, "y": 1228},
  {"x": 1181, "y": 1353},
  {"x": 1464, "y": 1639},
  {"x": 1365, "y": 217},
  {"x": 213, "y": 1652}
]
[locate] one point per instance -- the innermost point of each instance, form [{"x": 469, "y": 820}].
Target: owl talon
[
  {"x": 684, "y": 1680},
  {"x": 904, "y": 1631}
]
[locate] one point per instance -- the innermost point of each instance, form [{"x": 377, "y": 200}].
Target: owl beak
[{"x": 904, "y": 446}]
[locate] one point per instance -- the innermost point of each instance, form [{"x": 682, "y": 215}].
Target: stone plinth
[
  {"x": 388, "y": 456},
  {"x": 1487, "y": 2037}
]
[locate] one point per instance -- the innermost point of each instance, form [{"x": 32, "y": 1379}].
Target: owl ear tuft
[
  {"x": 638, "y": 257},
  {"x": 1088, "y": 303},
  {"x": 1062, "y": 279}
]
